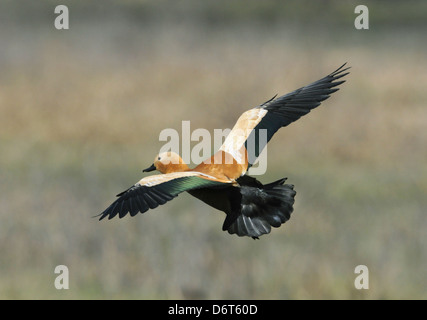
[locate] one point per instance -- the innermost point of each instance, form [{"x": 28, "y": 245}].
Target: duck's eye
[{"x": 158, "y": 158}]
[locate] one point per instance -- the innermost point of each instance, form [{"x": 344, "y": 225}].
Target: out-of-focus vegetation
[{"x": 80, "y": 115}]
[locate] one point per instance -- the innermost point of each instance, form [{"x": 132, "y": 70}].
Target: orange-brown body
[{"x": 221, "y": 165}]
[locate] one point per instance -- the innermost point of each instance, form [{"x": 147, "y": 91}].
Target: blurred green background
[{"x": 80, "y": 115}]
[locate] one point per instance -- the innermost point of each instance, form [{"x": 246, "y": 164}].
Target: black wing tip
[
  {"x": 104, "y": 214},
  {"x": 100, "y": 215},
  {"x": 339, "y": 73},
  {"x": 340, "y": 69},
  {"x": 332, "y": 78},
  {"x": 269, "y": 100}
]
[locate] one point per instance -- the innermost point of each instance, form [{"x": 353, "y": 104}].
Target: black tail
[{"x": 261, "y": 207}]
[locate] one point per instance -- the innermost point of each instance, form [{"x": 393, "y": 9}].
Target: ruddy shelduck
[{"x": 251, "y": 208}]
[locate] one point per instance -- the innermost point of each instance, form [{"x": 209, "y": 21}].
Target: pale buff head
[{"x": 167, "y": 162}]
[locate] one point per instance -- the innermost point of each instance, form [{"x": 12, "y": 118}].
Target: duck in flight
[{"x": 251, "y": 207}]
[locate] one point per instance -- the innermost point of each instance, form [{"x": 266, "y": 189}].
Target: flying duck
[{"x": 251, "y": 207}]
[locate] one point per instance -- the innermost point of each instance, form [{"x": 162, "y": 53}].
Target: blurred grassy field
[{"x": 80, "y": 115}]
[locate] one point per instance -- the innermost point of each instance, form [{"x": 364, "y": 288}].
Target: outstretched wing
[
  {"x": 152, "y": 191},
  {"x": 257, "y": 126}
]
